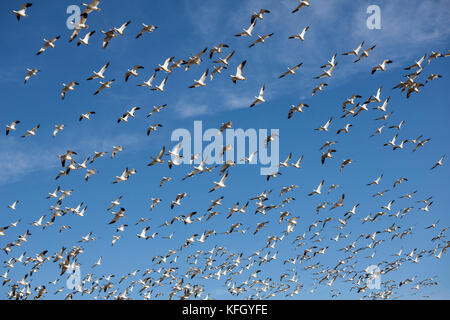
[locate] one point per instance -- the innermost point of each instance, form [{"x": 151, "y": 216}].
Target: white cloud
[
  {"x": 185, "y": 110},
  {"x": 233, "y": 101},
  {"x": 18, "y": 160}
]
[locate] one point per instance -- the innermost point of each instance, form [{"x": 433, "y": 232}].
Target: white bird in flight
[
  {"x": 85, "y": 39},
  {"x": 160, "y": 87},
  {"x": 247, "y": 32},
  {"x": 303, "y": 3},
  {"x": 68, "y": 87},
  {"x": 238, "y": 75},
  {"x": 100, "y": 73},
  {"x": 12, "y": 126},
  {"x": 200, "y": 82},
  {"x": 22, "y": 11},
  {"x": 48, "y": 43},
  {"x": 31, "y": 73},
  {"x": 260, "y": 97},
  {"x": 301, "y": 35},
  {"x": 146, "y": 28}
]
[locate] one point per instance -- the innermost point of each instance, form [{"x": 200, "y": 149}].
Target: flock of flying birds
[{"x": 182, "y": 271}]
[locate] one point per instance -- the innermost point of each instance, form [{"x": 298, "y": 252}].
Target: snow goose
[
  {"x": 153, "y": 128},
  {"x": 350, "y": 101},
  {"x": 319, "y": 88},
  {"x": 30, "y": 73},
  {"x": 13, "y": 205},
  {"x": 376, "y": 181},
  {"x": 99, "y": 75},
  {"x": 133, "y": 72},
  {"x": 200, "y": 82},
  {"x": 104, "y": 85},
  {"x": 81, "y": 24},
  {"x": 148, "y": 83},
  {"x": 85, "y": 39},
  {"x": 194, "y": 60},
  {"x": 158, "y": 158},
  {"x": 258, "y": 15},
  {"x": 392, "y": 142},
  {"x": 365, "y": 54},
  {"x": 260, "y": 97},
  {"x": 48, "y": 43},
  {"x": 318, "y": 190},
  {"x": 157, "y": 109},
  {"x": 116, "y": 149},
  {"x": 378, "y": 131},
  {"x": 143, "y": 235},
  {"x": 176, "y": 64},
  {"x": 418, "y": 63},
  {"x": 22, "y": 11},
  {"x": 376, "y": 98},
  {"x": 399, "y": 126},
  {"x": 383, "y": 106},
  {"x": 247, "y": 32},
  {"x": 327, "y": 144},
  {"x": 146, "y": 28},
  {"x": 68, "y": 87},
  {"x": 108, "y": 36},
  {"x": 161, "y": 85},
  {"x": 261, "y": 39},
  {"x": 432, "y": 77},
  {"x": 331, "y": 63},
  {"x": 238, "y": 75},
  {"x": 31, "y": 132},
  {"x": 303, "y": 3},
  {"x": 93, "y": 6},
  {"x": 217, "y": 49},
  {"x": 327, "y": 73},
  {"x": 165, "y": 66},
  {"x": 384, "y": 117},
  {"x": 297, "y": 108},
  {"x": 121, "y": 29},
  {"x": 420, "y": 144},
  {"x": 301, "y": 35},
  {"x": 99, "y": 262},
  {"x": 89, "y": 173},
  {"x": 381, "y": 66},
  {"x": 11, "y": 127},
  {"x": 345, "y": 163},
  {"x": 97, "y": 155},
  {"x": 327, "y": 155},
  {"x": 399, "y": 181},
  {"x": 350, "y": 111},
  {"x": 291, "y": 70},
  {"x": 58, "y": 127},
  {"x": 439, "y": 163},
  {"x": 269, "y": 139},
  {"x": 297, "y": 164},
  {"x": 415, "y": 88},
  {"x": 427, "y": 207},
  {"x": 434, "y": 55},
  {"x": 225, "y": 60},
  {"x": 345, "y": 129},
  {"x": 216, "y": 70},
  {"x": 325, "y": 126},
  {"x": 221, "y": 183},
  {"x": 354, "y": 52}
]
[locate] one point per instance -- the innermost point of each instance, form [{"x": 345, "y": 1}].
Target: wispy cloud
[
  {"x": 233, "y": 101},
  {"x": 187, "y": 110},
  {"x": 18, "y": 160}
]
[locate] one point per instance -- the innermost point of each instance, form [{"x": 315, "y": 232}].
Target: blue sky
[{"x": 28, "y": 166}]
